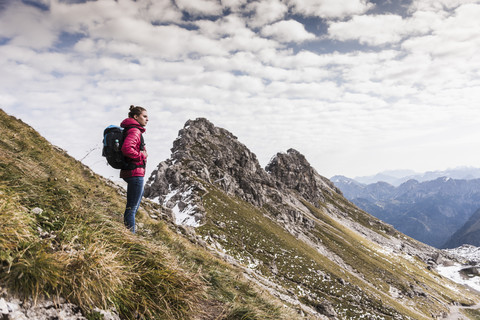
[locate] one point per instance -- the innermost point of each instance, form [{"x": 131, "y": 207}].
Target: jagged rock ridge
[
  {"x": 211, "y": 154},
  {"x": 295, "y": 172},
  {"x": 215, "y": 155}
]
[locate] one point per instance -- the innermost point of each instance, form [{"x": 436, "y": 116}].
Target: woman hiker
[{"x": 133, "y": 148}]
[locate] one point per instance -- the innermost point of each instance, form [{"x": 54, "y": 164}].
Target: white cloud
[
  {"x": 234, "y": 5},
  {"x": 266, "y": 11},
  {"x": 87, "y": 17},
  {"x": 134, "y": 37},
  {"x": 36, "y": 30},
  {"x": 423, "y": 22},
  {"x": 436, "y": 5},
  {"x": 159, "y": 11},
  {"x": 230, "y": 25},
  {"x": 303, "y": 90},
  {"x": 232, "y": 34},
  {"x": 454, "y": 47},
  {"x": 330, "y": 8},
  {"x": 287, "y": 31},
  {"x": 247, "y": 40},
  {"x": 453, "y": 27},
  {"x": 200, "y": 7},
  {"x": 372, "y": 30}
]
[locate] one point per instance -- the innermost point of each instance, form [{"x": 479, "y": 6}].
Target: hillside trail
[{"x": 456, "y": 313}]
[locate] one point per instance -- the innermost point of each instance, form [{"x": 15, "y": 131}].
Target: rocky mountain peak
[
  {"x": 197, "y": 140},
  {"x": 293, "y": 170},
  {"x": 204, "y": 151},
  {"x": 212, "y": 154},
  {"x": 218, "y": 150},
  {"x": 215, "y": 155}
]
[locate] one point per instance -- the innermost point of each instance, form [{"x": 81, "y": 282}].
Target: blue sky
[{"x": 357, "y": 86}]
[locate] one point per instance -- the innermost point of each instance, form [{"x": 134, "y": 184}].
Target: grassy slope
[
  {"x": 77, "y": 247},
  {"x": 364, "y": 289}
]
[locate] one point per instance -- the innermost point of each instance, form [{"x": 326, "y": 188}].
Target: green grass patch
[
  {"x": 252, "y": 236},
  {"x": 472, "y": 313},
  {"x": 248, "y": 234}
]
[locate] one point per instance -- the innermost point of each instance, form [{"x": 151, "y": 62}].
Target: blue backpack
[{"x": 113, "y": 137}]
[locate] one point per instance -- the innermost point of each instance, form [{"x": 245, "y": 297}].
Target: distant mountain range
[
  {"x": 429, "y": 211},
  {"x": 397, "y": 177}
]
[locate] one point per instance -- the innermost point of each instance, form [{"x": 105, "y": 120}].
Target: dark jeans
[{"x": 134, "y": 196}]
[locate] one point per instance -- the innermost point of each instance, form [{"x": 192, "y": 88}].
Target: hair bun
[{"x": 134, "y": 110}]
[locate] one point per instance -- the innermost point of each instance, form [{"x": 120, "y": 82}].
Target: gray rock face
[
  {"x": 203, "y": 151},
  {"x": 296, "y": 173},
  {"x": 214, "y": 155}
]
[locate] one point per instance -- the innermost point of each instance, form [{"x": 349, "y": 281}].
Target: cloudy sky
[{"x": 357, "y": 86}]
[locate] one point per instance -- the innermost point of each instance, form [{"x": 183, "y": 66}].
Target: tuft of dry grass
[
  {"x": 15, "y": 222},
  {"x": 94, "y": 275},
  {"x": 114, "y": 270}
]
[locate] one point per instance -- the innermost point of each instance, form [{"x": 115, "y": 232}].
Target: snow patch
[
  {"x": 453, "y": 273},
  {"x": 467, "y": 252},
  {"x": 184, "y": 216},
  {"x": 253, "y": 264},
  {"x": 385, "y": 251},
  {"x": 395, "y": 293},
  {"x": 169, "y": 196},
  {"x": 157, "y": 200}
]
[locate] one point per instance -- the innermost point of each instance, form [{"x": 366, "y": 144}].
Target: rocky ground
[{"x": 12, "y": 308}]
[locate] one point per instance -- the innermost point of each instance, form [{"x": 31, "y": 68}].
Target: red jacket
[{"x": 131, "y": 148}]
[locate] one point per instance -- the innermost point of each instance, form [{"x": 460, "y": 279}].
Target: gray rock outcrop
[
  {"x": 203, "y": 151},
  {"x": 212, "y": 154},
  {"x": 295, "y": 172}
]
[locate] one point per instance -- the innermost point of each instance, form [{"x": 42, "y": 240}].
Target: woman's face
[{"x": 142, "y": 118}]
